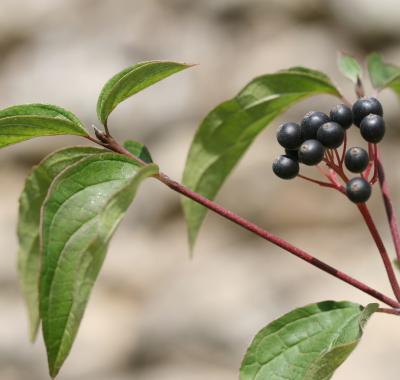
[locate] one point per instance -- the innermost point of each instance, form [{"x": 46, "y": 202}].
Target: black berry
[
  {"x": 358, "y": 190},
  {"x": 311, "y": 152},
  {"x": 372, "y": 128},
  {"x": 363, "y": 107},
  {"x": 342, "y": 115},
  {"x": 285, "y": 167},
  {"x": 289, "y": 135},
  {"x": 292, "y": 153},
  {"x": 356, "y": 159},
  {"x": 311, "y": 122},
  {"x": 331, "y": 135}
]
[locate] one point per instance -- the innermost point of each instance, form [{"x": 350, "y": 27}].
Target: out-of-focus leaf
[
  {"x": 383, "y": 75},
  {"x": 349, "y": 67}
]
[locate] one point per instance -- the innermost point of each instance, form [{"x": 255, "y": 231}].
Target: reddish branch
[
  {"x": 390, "y": 211},
  {"x": 110, "y": 143},
  {"x": 381, "y": 248}
]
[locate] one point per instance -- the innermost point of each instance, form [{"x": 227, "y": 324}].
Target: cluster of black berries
[{"x": 306, "y": 143}]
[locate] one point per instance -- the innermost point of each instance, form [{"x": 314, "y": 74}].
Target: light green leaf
[
  {"x": 308, "y": 343},
  {"x": 30, "y": 203},
  {"x": 349, "y": 67},
  {"x": 84, "y": 205},
  {"x": 383, "y": 75},
  {"x": 132, "y": 80},
  {"x": 138, "y": 150},
  {"x": 227, "y": 131},
  {"x": 24, "y": 122}
]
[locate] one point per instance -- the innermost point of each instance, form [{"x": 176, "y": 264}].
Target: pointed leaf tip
[{"x": 132, "y": 80}]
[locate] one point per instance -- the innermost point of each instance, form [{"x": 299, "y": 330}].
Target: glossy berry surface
[
  {"x": 311, "y": 152},
  {"x": 285, "y": 167},
  {"x": 331, "y": 135},
  {"x": 358, "y": 190},
  {"x": 311, "y": 122},
  {"x": 342, "y": 115},
  {"x": 372, "y": 128},
  {"x": 365, "y": 106},
  {"x": 356, "y": 159},
  {"x": 289, "y": 135},
  {"x": 292, "y": 153}
]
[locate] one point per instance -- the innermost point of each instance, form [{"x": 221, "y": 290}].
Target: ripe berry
[
  {"x": 358, "y": 190},
  {"x": 372, "y": 128},
  {"x": 311, "y": 152},
  {"x": 331, "y": 135},
  {"x": 292, "y": 153},
  {"x": 285, "y": 167},
  {"x": 356, "y": 159},
  {"x": 342, "y": 115},
  {"x": 311, "y": 122},
  {"x": 289, "y": 135},
  {"x": 363, "y": 107}
]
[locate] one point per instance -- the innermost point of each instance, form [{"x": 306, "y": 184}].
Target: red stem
[
  {"x": 275, "y": 239},
  {"x": 381, "y": 248},
  {"x": 390, "y": 211},
  {"x": 375, "y": 160},
  {"x": 388, "y": 311},
  {"x": 338, "y": 157},
  {"x": 344, "y": 149},
  {"x": 320, "y": 183},
  {"x": 111, "y": 144}
]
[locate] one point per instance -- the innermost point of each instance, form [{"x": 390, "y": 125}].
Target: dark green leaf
[
  {"x": 30, "y": 203},
  {"x": 82, "y": 210},
  {"x": 138, "y": 150},
  {"x": 349, "y": 67},
  {"x": 132, "y": 80},
  {"x": 23, "y": 122},
  {"x": 228, "y": 131},
  {"x": 308, "y": 343},
  {"x": 383, "y": 75}
]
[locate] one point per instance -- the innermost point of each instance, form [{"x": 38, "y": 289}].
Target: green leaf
[
  {"x": 138, "y": 150},
  {"x": 81, "y": 212},
  {"x": 381, "y": 73},
  {"x": 30, "y": 204},
  {"x": 308, "y": 343},
  {"x": 349, "y": 67},
  {"x": 132, "y": 80},
  {"x": 227, "y": 131},
  {"x": 23, "y": 122}
]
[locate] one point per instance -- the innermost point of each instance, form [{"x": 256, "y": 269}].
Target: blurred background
[{"x": 155, "y": 313}]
